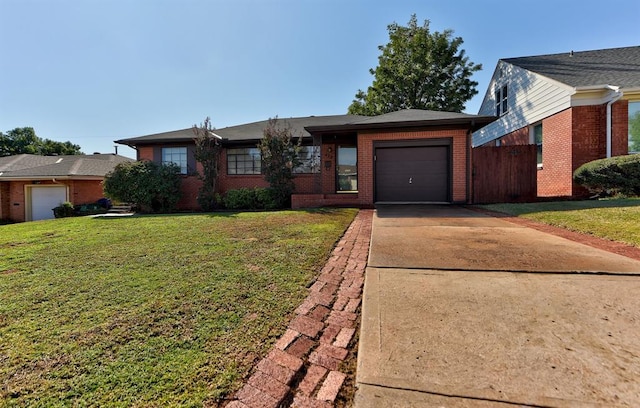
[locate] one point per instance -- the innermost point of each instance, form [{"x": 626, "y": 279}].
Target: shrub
[
  {"x": 240, "y": 199},
  {"x": 615, "y": 175},
  {"x": 251, "y": 199},
  {"x": 150, "y": 186},
  {"x": 64, "y": 210}
]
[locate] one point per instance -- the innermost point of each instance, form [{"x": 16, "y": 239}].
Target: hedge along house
[
  {"x": 576, "y": 107},
  {"x": 32, "y": 185},
  {"x": 412, "y": 156}
]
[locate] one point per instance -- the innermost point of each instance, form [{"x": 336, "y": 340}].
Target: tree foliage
[
  {"x": 152, "y": 187},
  {"x": 418, "y": 69},
  {"x": 25, "y": 141},
  {"x": 207, "y": 153},
  {"x": 279, "y": 157}
]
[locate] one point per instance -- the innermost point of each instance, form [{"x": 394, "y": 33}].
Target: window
[
  {"x": 310, "y": 158},
  {"x": 501, "y": 100},
  {"x": 537, "y": 140},
  {"x": 176, "y": 155},
  {"x": 634, "y": 127},
  {"x": 243, "y": 161},
  {"x": 347, "y": 168}
]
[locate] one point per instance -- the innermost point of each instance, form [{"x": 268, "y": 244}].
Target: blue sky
[{"x": 93, "y": 71}]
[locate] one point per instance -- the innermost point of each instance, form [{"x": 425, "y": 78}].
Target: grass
[
  {"x": 613, "y": 219},
  {"x": 150, "y": 311}
]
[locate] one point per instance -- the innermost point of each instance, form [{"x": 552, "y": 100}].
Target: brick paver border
[{"x": 302, "y": 369}]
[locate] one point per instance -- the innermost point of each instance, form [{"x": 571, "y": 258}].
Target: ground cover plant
[
  {"x": 154, "y": 310},
  {"x": 614, "y": 219}
]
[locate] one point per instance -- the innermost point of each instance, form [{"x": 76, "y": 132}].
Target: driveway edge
[{"x": 303, "y": 367}]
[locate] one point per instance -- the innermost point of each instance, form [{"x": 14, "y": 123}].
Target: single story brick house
[
  {"x": 574, "y": 106},
  {"x": 348, "y": 160},
  {"x": 32, "y": 185}
]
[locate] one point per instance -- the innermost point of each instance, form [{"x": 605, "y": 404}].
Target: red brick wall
[
  {"x": 554, "y": 178},
  {"x": 460, "y": 176},
  {"x": 145, "y": 153},
  {"x": 516, "y": 138},
  {"x": 85, "y": 191},
  {"x": 325, "y": 182},
  {"x": 79, "y": 191},
  {"x": 620, "y": 134}
]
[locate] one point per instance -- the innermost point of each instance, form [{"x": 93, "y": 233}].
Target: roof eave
[
  {"x": 40, "y": 178},
  {"x": 473, "y": 123}
]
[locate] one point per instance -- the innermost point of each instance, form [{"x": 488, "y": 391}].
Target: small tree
[
  {"x": 151, "y": 186},
  {"x": 207, "y": 153},
  {"x": 418, "y": 69},
  {"x": 279, "y": 158}
]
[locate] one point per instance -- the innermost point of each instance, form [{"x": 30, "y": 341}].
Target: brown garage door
[{"x": 419, "y": 174}]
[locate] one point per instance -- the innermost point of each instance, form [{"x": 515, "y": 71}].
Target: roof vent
[{"x": 571, "y": 53}]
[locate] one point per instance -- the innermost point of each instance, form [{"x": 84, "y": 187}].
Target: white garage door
[{"x": 43, "y": 199}]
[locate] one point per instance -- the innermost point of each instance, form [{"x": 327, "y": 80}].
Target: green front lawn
[
  {"x": 152, "y": 310},
  {"x": 615, "y": 220}
]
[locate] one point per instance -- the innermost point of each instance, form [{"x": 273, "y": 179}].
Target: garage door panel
[
  {"x": 412, "y": 174},
  {"x": 44, "y": 199}
]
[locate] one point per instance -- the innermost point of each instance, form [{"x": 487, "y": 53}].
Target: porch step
[{"x": 120, "y": 209}]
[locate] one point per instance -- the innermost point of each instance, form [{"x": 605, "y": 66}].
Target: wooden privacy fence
[{"x": 504, "y": 174}]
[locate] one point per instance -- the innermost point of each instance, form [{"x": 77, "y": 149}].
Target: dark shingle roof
[
  {"x": 34, "y": 166},
  {"x": 248, "y": 131},
  {"x": 614, "y": 66},
  {"x": 304, "y": 125},
  {"x": 409, "y": 118}
]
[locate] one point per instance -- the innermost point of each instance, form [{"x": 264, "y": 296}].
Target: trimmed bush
[
  {"x": 152, "y": 187},
  {"x": 64, "y": 210},
  {"x": 250, "y": 199},
  {"x": 615, "y": 175}
]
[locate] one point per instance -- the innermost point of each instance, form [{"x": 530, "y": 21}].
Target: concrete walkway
[{"x": 461, "y": 309}]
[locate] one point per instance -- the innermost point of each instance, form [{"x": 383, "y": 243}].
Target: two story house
[{"x": 575, "y": 107}]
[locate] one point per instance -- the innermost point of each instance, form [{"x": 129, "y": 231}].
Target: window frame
[
  {"x": 248, "y": 155},
  {"x": 309, "y": 156},
  {"x": 533, "y": 136},
  {"x": 350, "y": 178},
  {"x": 182, "y": 162},
  {"x": 633, "y": 108},
  {"x": 501, "y": 94}
]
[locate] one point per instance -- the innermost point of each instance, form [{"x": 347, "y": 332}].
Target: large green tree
[
  {"x": 418, "y": 69},
  {"x": 25, "y": 141}
]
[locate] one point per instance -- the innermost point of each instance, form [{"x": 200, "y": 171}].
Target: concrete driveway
[{"x": 463, "y": 310}]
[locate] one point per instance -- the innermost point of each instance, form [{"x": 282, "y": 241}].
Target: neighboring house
[
  {"x": 348, "y": 160},
  {"x": 31, "y": 185},
  {"x": 574, "y": 106}
]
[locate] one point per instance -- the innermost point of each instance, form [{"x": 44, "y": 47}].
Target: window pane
[
  {"x": 176, "y": 155},
  {"x": 310, "y": 160},
  {"x": 537, "y": 137},
  {"x": 347, "y": 168},
  {"x": 243, "y": 161},
  {"x": 634, "y": 127}
]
